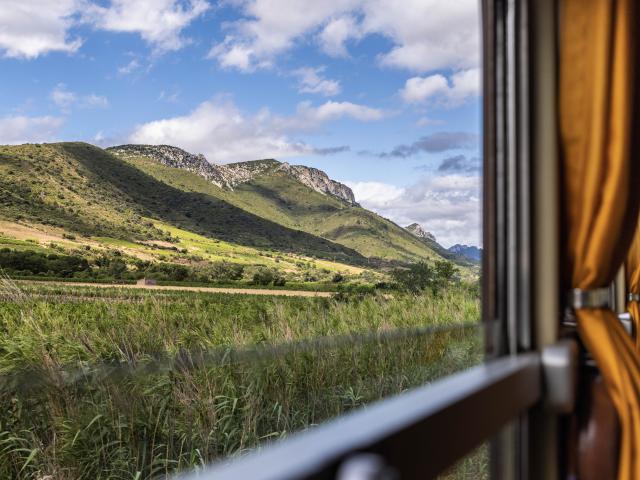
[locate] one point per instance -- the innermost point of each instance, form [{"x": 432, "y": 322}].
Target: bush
[
  {"x": 421, "y": 276},
  {"x": 263, "y": 277},
  {"x": 34, "y": 263},
  {"x": 353, "y": 291},
  {"x": 337, "y": 278},
  {"x": 226, "y": 271}
]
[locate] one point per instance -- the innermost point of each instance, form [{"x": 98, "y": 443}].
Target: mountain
[
  {"x": 138, "y": 193},
  {"x": 86, "y": 190},
  {"x": 467, "y": 251},
  {"x": 417, "y": 230},
  {"x": 229, "y": 176},
  {"x": 286, "y": 195}
]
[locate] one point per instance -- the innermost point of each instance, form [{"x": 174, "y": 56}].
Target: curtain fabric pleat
[{"x": 599, "y": 129}]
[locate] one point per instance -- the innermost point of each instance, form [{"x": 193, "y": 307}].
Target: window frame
[{"x": 501, "y": 400}]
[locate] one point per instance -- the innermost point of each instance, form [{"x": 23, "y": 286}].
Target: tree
[{"x": 420, "y": 276}]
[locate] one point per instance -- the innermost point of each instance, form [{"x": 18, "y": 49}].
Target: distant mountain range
[
  {"x": 468, "y": 251},
  {"x": 456, "y": 252},
  {"x": 122, "y": 192}
]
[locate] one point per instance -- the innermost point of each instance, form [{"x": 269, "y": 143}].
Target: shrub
[
  {"x": 226, "y": 271},
  {"x": 337, "y": 278},
  {"x": 263, "y": 276},
  {"x": 421, "y": 276}
]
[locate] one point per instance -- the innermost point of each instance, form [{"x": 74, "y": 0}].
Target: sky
[{"x": 383, "y": 95}]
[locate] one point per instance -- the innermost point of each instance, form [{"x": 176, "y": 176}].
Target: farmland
[{"x": 124, "y": 383}]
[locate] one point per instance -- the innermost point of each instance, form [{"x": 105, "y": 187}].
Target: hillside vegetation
[
  {"x": 275, "y": 195},
  {"x": 77, "y": 199}
]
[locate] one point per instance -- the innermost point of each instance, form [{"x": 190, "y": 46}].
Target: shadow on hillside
[
  {"x": 201, "y": 213},
  {"x": 299, "y": 209}
]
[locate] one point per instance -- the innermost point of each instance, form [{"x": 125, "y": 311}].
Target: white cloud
[
  {"x": 158, "y": 22},
  {"x": 129, "y": 68},
  {"x": 63, "y": 97},
  {"x": 32, "y": 28},
  {"x": 311, "y": 116},
  {"x": 336, "y": 33},
  {"x": 426, "y": 121},
  {"x": 270, "y": 28},
  {"x": 312, "y": 81},
  {"x": 223, "y": 133},
  {"x": 66, "y": 99},
  {"x": 426, "y": 34},
  {"x": 376, "y": 195},
  {"x": 448, "y": 206},
  {"x": 23, "y": 129},
  {"x": 460, "y": 87}
]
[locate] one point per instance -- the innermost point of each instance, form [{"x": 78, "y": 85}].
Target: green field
[{"x": 133, "y": 384}]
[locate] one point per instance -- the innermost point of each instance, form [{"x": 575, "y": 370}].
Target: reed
[{"x": 157, "y": 384}]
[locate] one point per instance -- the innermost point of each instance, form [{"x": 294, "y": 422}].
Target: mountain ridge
[
  {"x": 93, "y": 192},
  {"x": 231, "y": 175},
  {"x": 467, "y": 251}
]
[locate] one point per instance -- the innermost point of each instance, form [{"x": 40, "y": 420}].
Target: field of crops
[{"x": 132, "y": 384}]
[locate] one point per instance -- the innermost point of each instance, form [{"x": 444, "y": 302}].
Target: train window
[{"x": 222, "y": 225}]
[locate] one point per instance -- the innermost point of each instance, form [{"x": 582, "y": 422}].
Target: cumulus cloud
[
  {"x": 448, "y": 206},
  {"x": 66, "y": 99},
  {"x": 223, "y": 133},
  {"x": 460, "y": 87},
  {"x": 336, "y": 33},
  {"x": 22, "y": 129},
  {"x": 310, "y": 116},
  {"x": 158, "y": 22},
  {"x": 435, "y": 143},
  {"x": 310, "y": 80},
  {"x": 34, "y": 28},
  {"x": 426, "y": 34}
]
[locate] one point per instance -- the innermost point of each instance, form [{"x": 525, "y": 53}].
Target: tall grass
[{"x": 207, "y": 375}]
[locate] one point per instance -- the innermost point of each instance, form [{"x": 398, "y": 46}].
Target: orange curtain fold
[
  {"x": 632, "y": 271},
  {"x": 599, "y": 130}
]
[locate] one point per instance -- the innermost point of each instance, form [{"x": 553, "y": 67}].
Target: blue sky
[{"x": 381, "y": 94}]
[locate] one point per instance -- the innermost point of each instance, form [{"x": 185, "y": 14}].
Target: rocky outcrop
[
  {"x": 177, "y": 158},
  {"x": 231, "y": 175},
  {"x": 320, "y": 182},
  {"x": 417, "y": 230}
]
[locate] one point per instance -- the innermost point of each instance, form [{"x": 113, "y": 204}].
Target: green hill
[
  {"x": 293, "y": 219},
  {"x": 86, "y": 190},
  {"x": 275, "y": 195}
]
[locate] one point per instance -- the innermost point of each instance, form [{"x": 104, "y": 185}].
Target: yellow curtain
[
  {"x": 599, "y": 135},
  {"x": 632, "y": 269}
]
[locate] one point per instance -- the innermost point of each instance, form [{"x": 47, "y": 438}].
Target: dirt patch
[
  {"x": 23, "y": 232},
  {"x": 236, "y": 291}
]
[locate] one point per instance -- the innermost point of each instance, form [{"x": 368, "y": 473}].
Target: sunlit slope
[
  {"x": 278, "y": 197},
  {"x": 83, "y": 189}
]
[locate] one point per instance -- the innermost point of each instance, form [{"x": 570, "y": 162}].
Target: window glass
[{"x": 224, "y": 223}]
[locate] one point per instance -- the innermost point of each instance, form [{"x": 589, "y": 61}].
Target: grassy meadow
[{"x": 131, "y": 384}]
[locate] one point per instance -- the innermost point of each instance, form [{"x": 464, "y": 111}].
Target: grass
[{"x": 205, "y": 375}]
